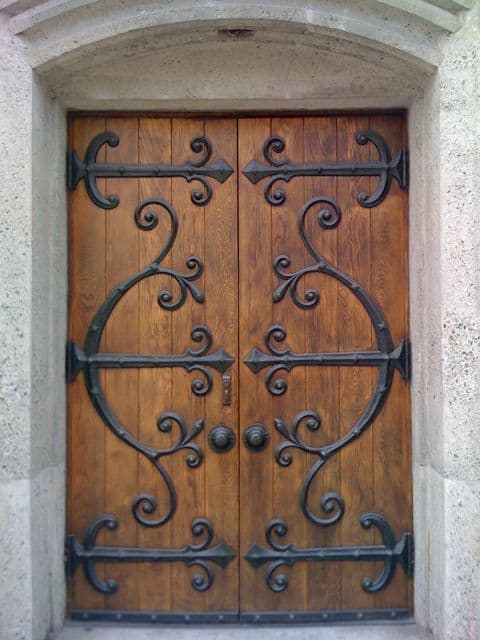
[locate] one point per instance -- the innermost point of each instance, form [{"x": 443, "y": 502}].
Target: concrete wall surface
[{"x": 422, "y": 55}]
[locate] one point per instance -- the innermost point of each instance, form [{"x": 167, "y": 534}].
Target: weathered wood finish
[{"x": 237, "y": 235}]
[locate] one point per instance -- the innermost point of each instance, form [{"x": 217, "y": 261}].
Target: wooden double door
[{"x": 237, "y": 365}]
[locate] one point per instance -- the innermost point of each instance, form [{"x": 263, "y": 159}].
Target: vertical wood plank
[
  {"x": 221, "y": 311},
  {"x": 322, "y": 383},
  {"x": 391, "y": 432},
  {"x": 155, "y": 385},
  {"x": 121, "y": 336},
  {"x": 355, "y": 387},
  {"x": 86, "y": 431},
  {"x": 287, "y": 481},
  {"x": 189, "y": 483},
  {"x": 255, "y": 290}
]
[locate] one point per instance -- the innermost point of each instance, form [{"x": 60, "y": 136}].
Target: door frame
[{"x": 107, "y": 616}]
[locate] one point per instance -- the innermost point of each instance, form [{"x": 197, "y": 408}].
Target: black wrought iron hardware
[
  {"x": 286, "y": 360},
  {"x": 256, "y": 437},
  {"x": 386, "y": 358},
  {"x": 89, "y": 170},
  {"x": 200, "y": 361},
  {"x": 90, "y": 361},
  {"x": 390, "y": 553},
  {"x": 226, "y": 390},
  {"x": 221, "y": 439},
  {"x": 324, "y": 616},
  {"x": 283, "y": 170},
  {"x": 200, "y": 555}
]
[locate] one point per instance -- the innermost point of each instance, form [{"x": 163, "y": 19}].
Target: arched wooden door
[{"x": 238, "y": 364}]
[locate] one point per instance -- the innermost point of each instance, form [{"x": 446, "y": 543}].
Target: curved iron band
[
  {"x": 284, "y": 170},
  {"x": 193, "y": 555},
  {"x": 384, "y": 383},
  {"x": 89, "y": 170},
  {"x": 390, "y": 553}
]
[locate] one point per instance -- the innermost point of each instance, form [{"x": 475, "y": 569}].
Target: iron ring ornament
[
  {"x": 90, "y": 361},
  {"x": 279, "y": 169},
  {"x": 386, "y": 358},
  {"x": 89, "y": 170},
  {"x": 201, "y": 555}
]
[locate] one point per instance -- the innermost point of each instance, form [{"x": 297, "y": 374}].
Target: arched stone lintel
[
  {"x": 430, "y": 12},
  {"x": 74, "y": 40}
]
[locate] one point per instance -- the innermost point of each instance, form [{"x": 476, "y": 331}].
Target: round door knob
[
  {"x": 256, "y": 437},
  {"x": 221, "y": 439}
]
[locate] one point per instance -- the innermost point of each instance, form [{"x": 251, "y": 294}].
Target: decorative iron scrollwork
[
  {"x": 89, "y": 170},
  {"x": 90, "y": 361},
  {"x": 280, "y": 555},
  {"x": 330, "y": 502},
  {"x": 283, "y": 170},
  {"x": 200, "y": 555},
  {"x": 386, "y": 358},
  {"x": 328, "y": 217}
]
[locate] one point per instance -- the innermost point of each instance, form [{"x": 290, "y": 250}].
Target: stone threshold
[{"x": 99, "y": 631}]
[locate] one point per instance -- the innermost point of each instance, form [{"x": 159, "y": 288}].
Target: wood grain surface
[{"x": 237, "y": 236}]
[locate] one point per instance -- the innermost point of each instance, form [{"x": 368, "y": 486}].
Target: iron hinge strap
[{"x": 201, "y": 555}]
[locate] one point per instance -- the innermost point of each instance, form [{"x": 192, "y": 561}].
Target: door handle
[{"x": 256, "y": 437}]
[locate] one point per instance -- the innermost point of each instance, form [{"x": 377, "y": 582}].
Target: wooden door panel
[
  {"x": 243, "y": 265},
  {"x": 326, "y": 312},
  {"x": 160, "y": 503},
  {"x": 355, "y": 332}
]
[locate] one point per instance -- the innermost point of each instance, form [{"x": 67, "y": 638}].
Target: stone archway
[{"x": 71, "y": 54}]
